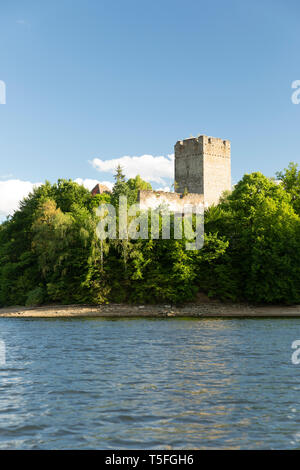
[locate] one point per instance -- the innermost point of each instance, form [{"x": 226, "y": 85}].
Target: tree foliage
[{"x": 49, "y": 250}]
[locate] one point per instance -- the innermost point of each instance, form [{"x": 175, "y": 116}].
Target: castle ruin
[{"x": 202, "y": 174}]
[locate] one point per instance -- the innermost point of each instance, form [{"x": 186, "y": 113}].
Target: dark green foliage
[
  {"x": 36, "y": 297},
  {"x": 53, "y": 252},
  {"x": 120, "y": 186},
  {"x": 290, "y": 178},
  {"x": 49, "y": 251},
  {"x": 262, "y": 261}
]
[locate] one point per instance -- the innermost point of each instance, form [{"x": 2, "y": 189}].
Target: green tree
[
  {"x": 120, "y": 186},
  {"x": 262, "y": 230},
  {"x": 290, "y": 179},
  {"x": 49, "y": 250}
]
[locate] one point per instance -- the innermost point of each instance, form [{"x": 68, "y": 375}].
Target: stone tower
[{"x": 202, "y": 166}]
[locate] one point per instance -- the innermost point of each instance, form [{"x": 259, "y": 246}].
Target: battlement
[{"x": 203, "y": 143}]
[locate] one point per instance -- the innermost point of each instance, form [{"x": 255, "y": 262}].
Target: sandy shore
[{"x": 205, "y": 310}]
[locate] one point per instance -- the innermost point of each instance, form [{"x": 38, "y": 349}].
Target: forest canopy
[{"x": 50, "y": 252}]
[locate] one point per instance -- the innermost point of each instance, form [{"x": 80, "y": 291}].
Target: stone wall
[
  {"x": 217, "y": 168},
  {"x": 189, "y": 166},
  {"x": 202, "y": 165},
  {"x": 174, "y": 201}
]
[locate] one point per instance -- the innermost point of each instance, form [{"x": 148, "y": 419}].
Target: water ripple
[{"x": 146, "y": 383}]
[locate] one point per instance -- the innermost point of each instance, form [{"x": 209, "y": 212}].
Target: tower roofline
[{"x": 202, "y": 137}]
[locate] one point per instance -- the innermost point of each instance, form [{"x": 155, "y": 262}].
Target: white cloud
[
  {"x": 150, "y": 168},
  {"x": 90, "y": 183},
  {"x": 11, "y": 193}
]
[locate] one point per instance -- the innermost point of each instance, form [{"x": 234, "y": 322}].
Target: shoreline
[{"x": 210, "y": 309}]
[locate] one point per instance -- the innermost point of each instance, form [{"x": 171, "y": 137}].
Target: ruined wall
[
  {"x": 202, "y": 168},
  {"x": 174, "y": 201}
]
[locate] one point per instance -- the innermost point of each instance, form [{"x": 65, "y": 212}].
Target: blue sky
[{"x": 97, "y": 79}]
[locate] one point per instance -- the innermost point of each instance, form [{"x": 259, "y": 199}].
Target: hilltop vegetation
[{"x": 49, "y": 250}]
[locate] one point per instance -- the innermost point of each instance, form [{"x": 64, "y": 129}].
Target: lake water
[{"x": 149, "y": 384}]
